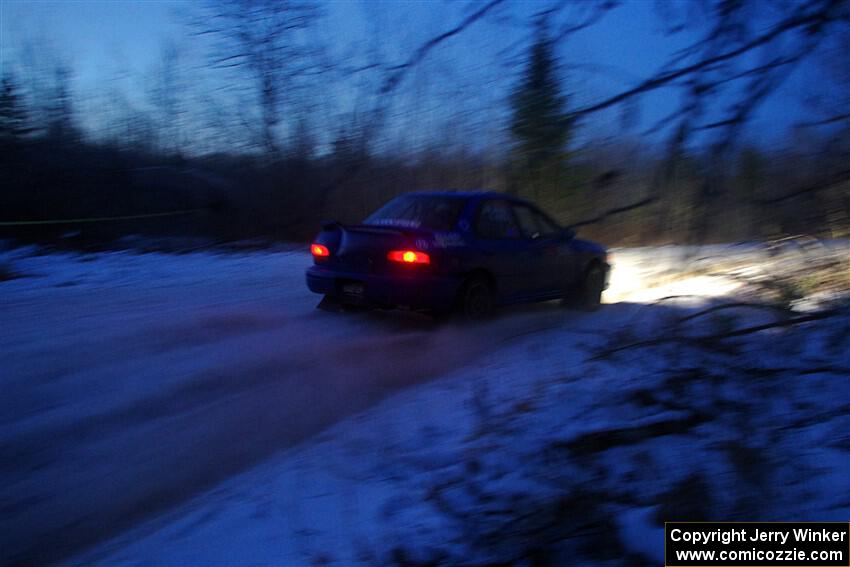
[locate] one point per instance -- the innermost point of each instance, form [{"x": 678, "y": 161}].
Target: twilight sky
[{"x": 119, "y": 43}]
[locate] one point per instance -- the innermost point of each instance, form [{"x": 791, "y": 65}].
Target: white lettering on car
[
  {"x": 398, "y": 222},
  {"x": 448, "y": 240}
]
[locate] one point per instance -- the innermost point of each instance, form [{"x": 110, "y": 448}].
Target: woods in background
[{"x": 264, "y": 128}]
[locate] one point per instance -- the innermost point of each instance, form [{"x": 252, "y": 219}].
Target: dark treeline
[{"x": 63, "y": 182}]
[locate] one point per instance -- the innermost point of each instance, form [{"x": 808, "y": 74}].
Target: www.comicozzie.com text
[{"x": 744, "y": 534}]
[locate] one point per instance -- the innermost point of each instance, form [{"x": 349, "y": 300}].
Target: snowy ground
[{"x": 196, "y": 410}]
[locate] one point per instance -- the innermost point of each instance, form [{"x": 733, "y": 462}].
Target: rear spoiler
[{"x": 331, "y": 224}]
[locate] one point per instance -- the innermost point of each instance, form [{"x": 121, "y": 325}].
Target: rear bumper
[{"x": 417, "y": 291}]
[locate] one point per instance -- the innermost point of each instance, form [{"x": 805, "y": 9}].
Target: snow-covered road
[{"x": 135, "y": 382}]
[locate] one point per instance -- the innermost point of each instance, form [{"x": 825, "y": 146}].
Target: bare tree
[
  {"x": 725, "y": 76},
  {"x": 167, "y": 95},
  {"x": 60, "y": 112},
  {"x": 13, "y": 115},
  {"x": 269, "y": 41}
]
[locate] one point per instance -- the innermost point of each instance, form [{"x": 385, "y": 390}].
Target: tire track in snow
[{"x": 73, "y": 484}]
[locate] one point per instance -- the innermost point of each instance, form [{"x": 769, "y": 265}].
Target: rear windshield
[{"x": 419, "y": 211}]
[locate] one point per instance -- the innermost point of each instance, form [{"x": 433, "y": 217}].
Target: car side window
[
  {"x": 548, "y": 229},
  {"x": 534, "y": 224},
  {"x": 496, "y": 221},
  {"x": 527, "y": 221}
]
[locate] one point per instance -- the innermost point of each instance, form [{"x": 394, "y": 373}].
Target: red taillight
[
  {"x": 409, "y": 257},
  {"x": 319, "y": 250}
]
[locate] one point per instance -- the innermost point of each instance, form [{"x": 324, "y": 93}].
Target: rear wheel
[
  {"x": 336, "y": 304},
  {"x": 477, "y": 300},
  {"x": 329, "y": 303}
]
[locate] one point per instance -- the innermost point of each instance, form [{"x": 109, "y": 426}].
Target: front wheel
[
  {"x": 586, "y": 294},
  {"x": 590, "y": 294}
]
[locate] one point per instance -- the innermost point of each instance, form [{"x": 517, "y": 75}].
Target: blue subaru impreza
[{"x": 456, "y": 252}]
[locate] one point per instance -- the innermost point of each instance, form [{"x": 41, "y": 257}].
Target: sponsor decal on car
[
  {"x": 405, "y": 223},
  {"x": 448, "y": 240}
]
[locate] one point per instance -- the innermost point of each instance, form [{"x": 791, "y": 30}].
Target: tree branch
[
  {"x": 700, "y": 341},
  {"x": 799, "y": 20},
  {"x": 615, "y": 211},
  {"x": 399, "y": 71}
]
